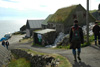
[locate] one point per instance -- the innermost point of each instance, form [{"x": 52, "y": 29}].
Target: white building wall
[{"x": 27, "y": 32}]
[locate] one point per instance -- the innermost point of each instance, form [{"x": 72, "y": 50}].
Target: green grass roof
[{"x": 62, "y": 14}]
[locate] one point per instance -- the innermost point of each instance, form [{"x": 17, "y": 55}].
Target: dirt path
[{"x": 90, "y": 55}]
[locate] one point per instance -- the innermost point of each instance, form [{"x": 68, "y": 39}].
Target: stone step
[{"x": 5, "y": 55}]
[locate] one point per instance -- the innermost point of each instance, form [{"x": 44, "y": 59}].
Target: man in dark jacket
[
  {"x": 96, "y": 31},
  {"x": 7, "y": 44},
  {"x": 75, "y": 39}
]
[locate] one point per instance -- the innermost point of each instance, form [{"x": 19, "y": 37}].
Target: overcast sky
[{"x": 37, "y": 9}]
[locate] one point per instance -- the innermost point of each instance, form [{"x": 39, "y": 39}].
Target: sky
[{"x": 37, "y": 9}]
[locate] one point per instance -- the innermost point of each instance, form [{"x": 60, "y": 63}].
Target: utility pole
[{"x": 87, "y": 21}]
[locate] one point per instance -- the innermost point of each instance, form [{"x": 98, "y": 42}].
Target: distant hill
[
  {"x": 92, "y": 11},
  {"x": 96, "y": 14}
]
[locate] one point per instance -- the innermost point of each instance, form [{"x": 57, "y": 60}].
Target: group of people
[
  {"x": 76, "y": 38},
  {"x": 5, "y": 44}
]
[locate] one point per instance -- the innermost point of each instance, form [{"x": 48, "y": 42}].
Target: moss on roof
[{"x": 62, "y": 14}]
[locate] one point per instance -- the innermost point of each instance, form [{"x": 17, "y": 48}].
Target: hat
[{"x": 75, "y": 21}]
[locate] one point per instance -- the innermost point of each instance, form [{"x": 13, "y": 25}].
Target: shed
[
  {"x": 32, "y": 25},
  {"x": 44, "y": 37}
]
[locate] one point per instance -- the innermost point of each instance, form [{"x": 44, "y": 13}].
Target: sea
[{"x": 10, "y": 26}]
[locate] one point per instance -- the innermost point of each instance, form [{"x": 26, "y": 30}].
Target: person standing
[
  {"x": 76, "y": 38},
  {"x": 3, "y": 43},
  {"x": 96, "y": 31},
  {"x": 7, "y": 44}
]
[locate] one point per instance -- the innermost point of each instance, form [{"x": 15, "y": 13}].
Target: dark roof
[
  {"x": 46, "y": 20},
  {"x": 35, "y": 23}
]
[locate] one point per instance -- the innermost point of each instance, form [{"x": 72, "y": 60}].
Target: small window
[
  {"x": 84, "y": 15},
  {"x": 74, "y": 16}
]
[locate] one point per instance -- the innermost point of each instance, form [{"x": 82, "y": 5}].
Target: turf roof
[{"x": 62, "y": 14}]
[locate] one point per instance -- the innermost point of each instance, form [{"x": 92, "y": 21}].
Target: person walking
[
  {"x": 76, "y": 38},
  {"x": 7, "y": 44},
  {"x": 3, "y": 43},
  {"x": 96, "y": 31}
]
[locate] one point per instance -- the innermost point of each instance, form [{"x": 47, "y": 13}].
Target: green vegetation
[
  {"x": 91, "y": 38},
  {"x": 91, "y": 11},
  {"x": 21, "y": 62},
  {"x": 63, "y": 47},
  {"x": 63, "y": 61}
]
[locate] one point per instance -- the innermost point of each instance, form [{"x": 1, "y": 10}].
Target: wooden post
[{"x": 87, "y": 21}]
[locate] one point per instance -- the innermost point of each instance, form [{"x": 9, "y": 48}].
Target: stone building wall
[{"x": 35, "y": 60}]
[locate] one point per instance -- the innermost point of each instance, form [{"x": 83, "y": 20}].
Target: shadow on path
[
  {"x": 80, "y": 64},
  {"x": 95, "y": 47}
]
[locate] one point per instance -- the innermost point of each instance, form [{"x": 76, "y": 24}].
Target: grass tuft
[{"x": 19, "y": 63}]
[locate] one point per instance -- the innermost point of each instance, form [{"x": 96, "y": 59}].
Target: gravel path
[{"x": 90, "y": 55}]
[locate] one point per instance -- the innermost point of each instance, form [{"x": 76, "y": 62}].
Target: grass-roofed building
[{"x": 63, "y": 19}]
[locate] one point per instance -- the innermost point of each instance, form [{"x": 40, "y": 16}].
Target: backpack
[{"x": 76, "y": 34}]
